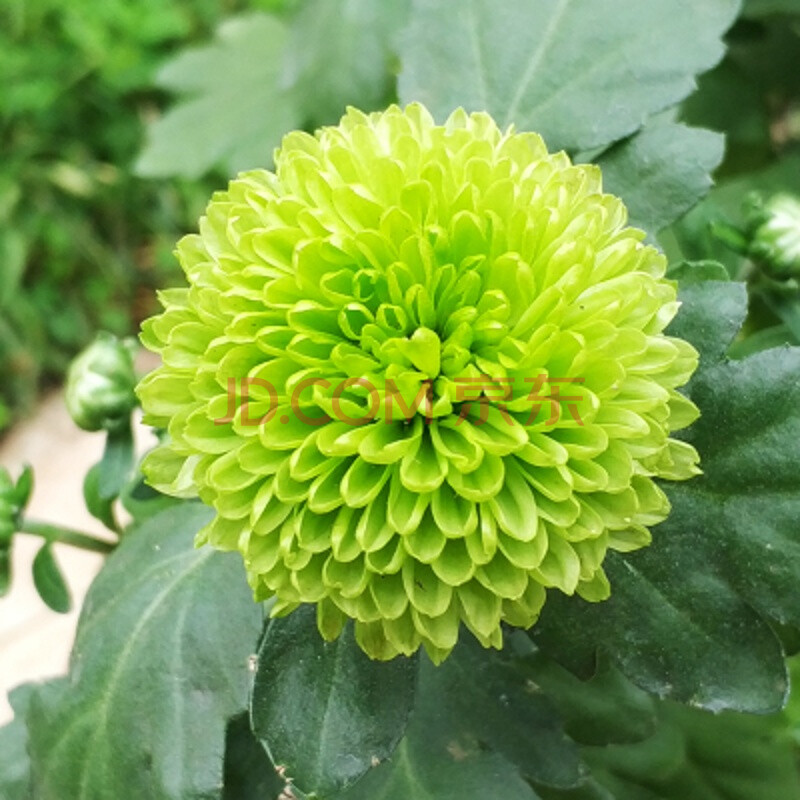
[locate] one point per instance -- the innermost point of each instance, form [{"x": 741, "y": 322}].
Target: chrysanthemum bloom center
[{"x": 420, "y": 373}]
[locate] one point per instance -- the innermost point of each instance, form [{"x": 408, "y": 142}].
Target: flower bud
[
  {"x": 775, "y": 241},
  {"x": 100, "y": 384}
]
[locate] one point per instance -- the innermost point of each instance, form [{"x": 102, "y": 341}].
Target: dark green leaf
[
  {"x": 661, "y": 172},
  {"x": 338, "y": 55},
  {"x": 764, "y": 8},
  {"x": 583, "y": 73},
  {"x": 786, "y": 309},
  {"x": 435, "y": 761},
  {"x": 116, "y": 464},
  {"x": 729, "y": 101},
  {"x": 235, "y": 111},
  {"x": 249, "y": 774},
  {"x": 493, "y": 702},
  {"x": 673, "y": 626},
  {"x": 688, "y": 616},
  {"x": 49, "y": 581},
  {"x": 160, "y": 665},
  {"x": 15, "y": 765},
  {"x": 324, "y": 710}
]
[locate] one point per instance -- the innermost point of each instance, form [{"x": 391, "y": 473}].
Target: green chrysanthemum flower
[{"x": 458, "y": 386}]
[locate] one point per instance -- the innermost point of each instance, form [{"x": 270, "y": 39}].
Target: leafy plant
[
  {"x": 83, "y": 243},
  {"x": 676, "y": 686}
]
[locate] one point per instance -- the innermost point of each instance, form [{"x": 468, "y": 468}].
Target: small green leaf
[
  {"x": 661, "y": 172},
  {"x": 99, "y": 507},
  {"x": 49, "y": 581},
  {"x": 14, "y": 761},
  {"x": 235, "y": 110},
  {"x": 116, "y": 464},
  {"x": 24, "y": 486},
  {"x": 324, "y": 710},
  {"x": 583, "y": 73},
  {"x": 159, "y": 667}
]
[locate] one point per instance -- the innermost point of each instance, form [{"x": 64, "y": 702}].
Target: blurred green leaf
[
  {"x": 763, "y": 8},
  {"x": 49, "y": 581},
  {"x": 235, "y": 113},
  {"x": 13, "y": 251},
  {"x": 14, "y": 761},
  {"x": 696, "y": 755},
  {"x": 339, "y": 54},
  {"x": 583, "y": 73},
  {"x": 728, "y": 100},
  {"x": 5, "y": 568},
  {"x": 606, "y": 709}
]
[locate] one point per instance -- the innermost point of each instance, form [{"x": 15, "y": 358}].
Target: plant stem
[{"x": 55, "y": 533}]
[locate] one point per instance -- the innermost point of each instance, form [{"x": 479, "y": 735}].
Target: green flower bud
[
  {"x": 775, "y": 240},
  {"x": 100, "y": 384},
  {"x": 459, "y": 390}
]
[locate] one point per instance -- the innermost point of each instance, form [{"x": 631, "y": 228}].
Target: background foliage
[{"x": 83, "y": 242}]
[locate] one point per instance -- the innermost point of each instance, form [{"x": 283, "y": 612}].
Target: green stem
[{"x": 55, "y": 533}]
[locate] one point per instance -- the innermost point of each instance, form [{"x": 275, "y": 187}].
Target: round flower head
[{"x": 420, "y": 373}]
